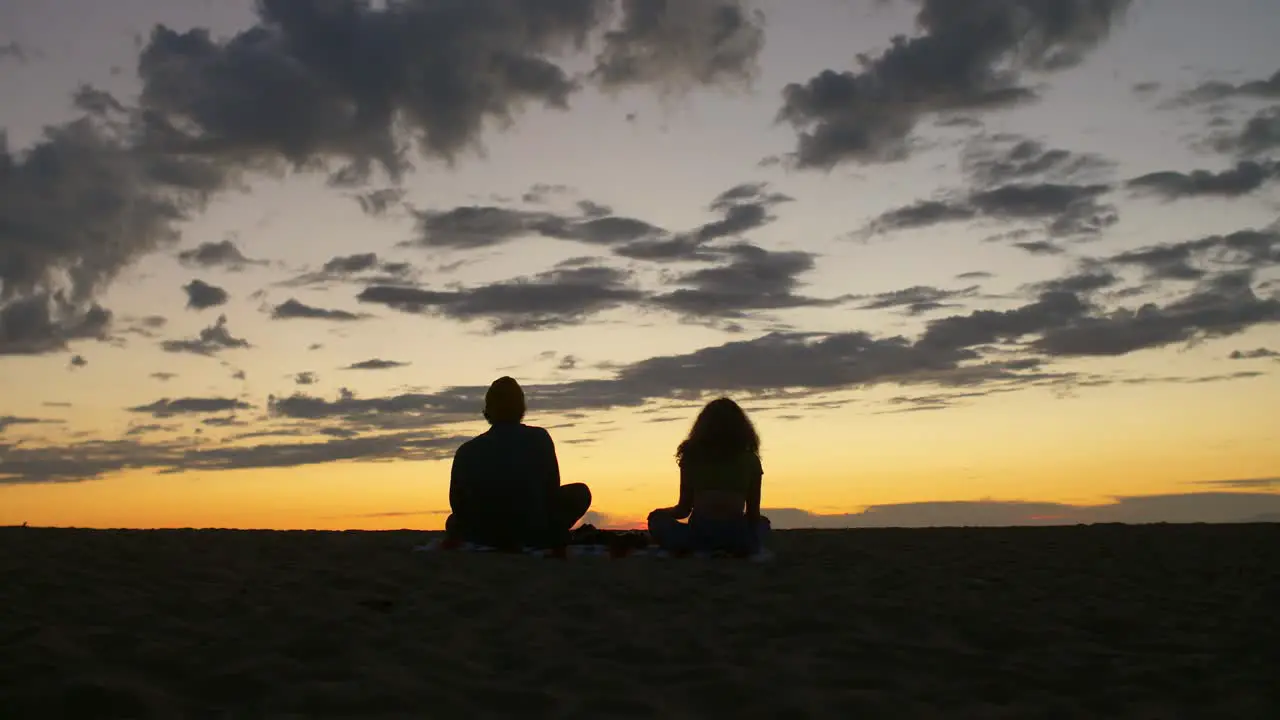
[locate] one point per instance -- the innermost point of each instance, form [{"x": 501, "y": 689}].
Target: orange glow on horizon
[{"x": 1027, "y": 446}]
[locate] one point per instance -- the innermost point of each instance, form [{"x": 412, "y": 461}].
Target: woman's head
[{"x": 722, "y": 428}]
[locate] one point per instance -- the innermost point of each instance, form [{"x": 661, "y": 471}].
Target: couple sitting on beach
[{"x": 505, "y": 488}]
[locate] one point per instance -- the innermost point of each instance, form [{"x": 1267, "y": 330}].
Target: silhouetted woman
[{"x": 720, "y": 476}]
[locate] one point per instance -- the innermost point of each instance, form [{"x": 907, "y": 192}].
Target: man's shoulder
[
  {"x": 491, "y": 440},
  {"x": 523, "y": 432},
  {"x": 534, "y": 430},
  {"x": 469, "y": 445}
]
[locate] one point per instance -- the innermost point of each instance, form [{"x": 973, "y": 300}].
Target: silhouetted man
[{"x": 505, "y": 487}]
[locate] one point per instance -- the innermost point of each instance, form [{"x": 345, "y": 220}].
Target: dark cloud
[
  {"x": 753, "y": 278},
  {"x": 338, "y": 432},
  {"x": 924, "y": 213},
  {"x": 1213, "y": 91},
  {"x": 1259, "y": 134},
  {"x": 376, "y": 364},
  {"x": 975, "y": 275},
  {"x": 305, "y": 378},
  {"x": 1070, "y": 383},
  {"x": 404, "y": 410},
  {"x": 679, "y": 45},
  {"x": 201, "y": 295},
  {"x": 593, "y": 209},
  {"x": 742, "y": 208},
  {"x": 337, "y": 86},
  {"x": 540, "y": 193},
  {"x": 403, "y": 447},
  {"x": 568, "y": 362},
  {"x": 952, "y": 352},
  {"x": 361, "y": 267},
  {"x": 609, "y": 230},
  {"x": 1066, "y": 210},
  {"x": 76, "y": 207},
  {"x": 314, "y": 83},
  {"x": 211, "y": 341},
  {"x": 14, "y": 51},
  {"x": 347, "y": 264},
  {"x": 1245, "y": 250},
  {"x": 982, "y": 327},
  {"x": 917, "y": 300},
  {"x": 1222, "y": 308},
  {"x": 94, "y": 459},
  {"x": 78, "y": 361},
  {"x": 331, "y": 81},
  {"x": 948, "y": 356},
  {"x": 1084, "y": 282},
  {"x": 145, "y": 429},
  {"x": 472, "y": 227},
  {"x": 1242, "y": 179},
  {"x": 778, "y": 363},
  {"x": 1255, "y": 354},
  {"x": 96, "y": 102},
  {"x": 967, "y": 57},
  {"x": 400, "y": 269},
  {"x": 1003, "y": 159},
  {"x": 933, "y": 401},
  {"x": 563, "y": 296},
  {"x": 165, "y": 408},
  {"x": 1039, "y": 247},
  {"x": 1244, "y": 483},
  {"x": 770, "y": 364},
  {"x": 334, "y": 86},
  {"x": 163, "y": 376},
  {"x": 392, "y": 513},
  {"x": 376, "y": 203},
  {"x": 7, "y": 421},
  {"x": 224, "y": 254},
  {"x": 677, "y": 248},
  {"x": 1073, "y": 209},
  {"x": 753, "y": 193},
  {"x": 44, "y": 323},
  {"x": 292, "y": 309}
]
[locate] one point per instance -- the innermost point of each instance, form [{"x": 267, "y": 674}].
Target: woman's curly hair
[{"x": 721, "y": 430}]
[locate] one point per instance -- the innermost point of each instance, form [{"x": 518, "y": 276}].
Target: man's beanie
[{"x": 504, "y": 402}]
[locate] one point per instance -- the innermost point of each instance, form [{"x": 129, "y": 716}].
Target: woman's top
[{"x": 720, "y": 485}]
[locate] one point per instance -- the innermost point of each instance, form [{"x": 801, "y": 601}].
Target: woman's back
[
  {"x": 720, "y": 484},
  {"x": 731, "y": 472}
]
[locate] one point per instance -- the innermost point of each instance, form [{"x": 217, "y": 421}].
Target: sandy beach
[{"x": 1100, "y": 621}]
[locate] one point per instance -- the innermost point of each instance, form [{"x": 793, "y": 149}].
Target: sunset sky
[{"x": 964, "y": 262}]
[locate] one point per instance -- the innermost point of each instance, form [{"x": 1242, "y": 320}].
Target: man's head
[{"x": 504, "y": 402}]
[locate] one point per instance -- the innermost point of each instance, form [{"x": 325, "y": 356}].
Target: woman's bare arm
[
  {"x": 684, "y": 504},
  {"x": 753, "y": 497}
]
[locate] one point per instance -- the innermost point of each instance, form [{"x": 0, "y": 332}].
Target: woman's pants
[{"x": 707, "y": 534}]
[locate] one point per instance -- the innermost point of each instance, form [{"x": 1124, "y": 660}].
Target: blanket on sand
[
  {"x": 583, "y": 551},
  {"x": 609, "y": 550}
]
